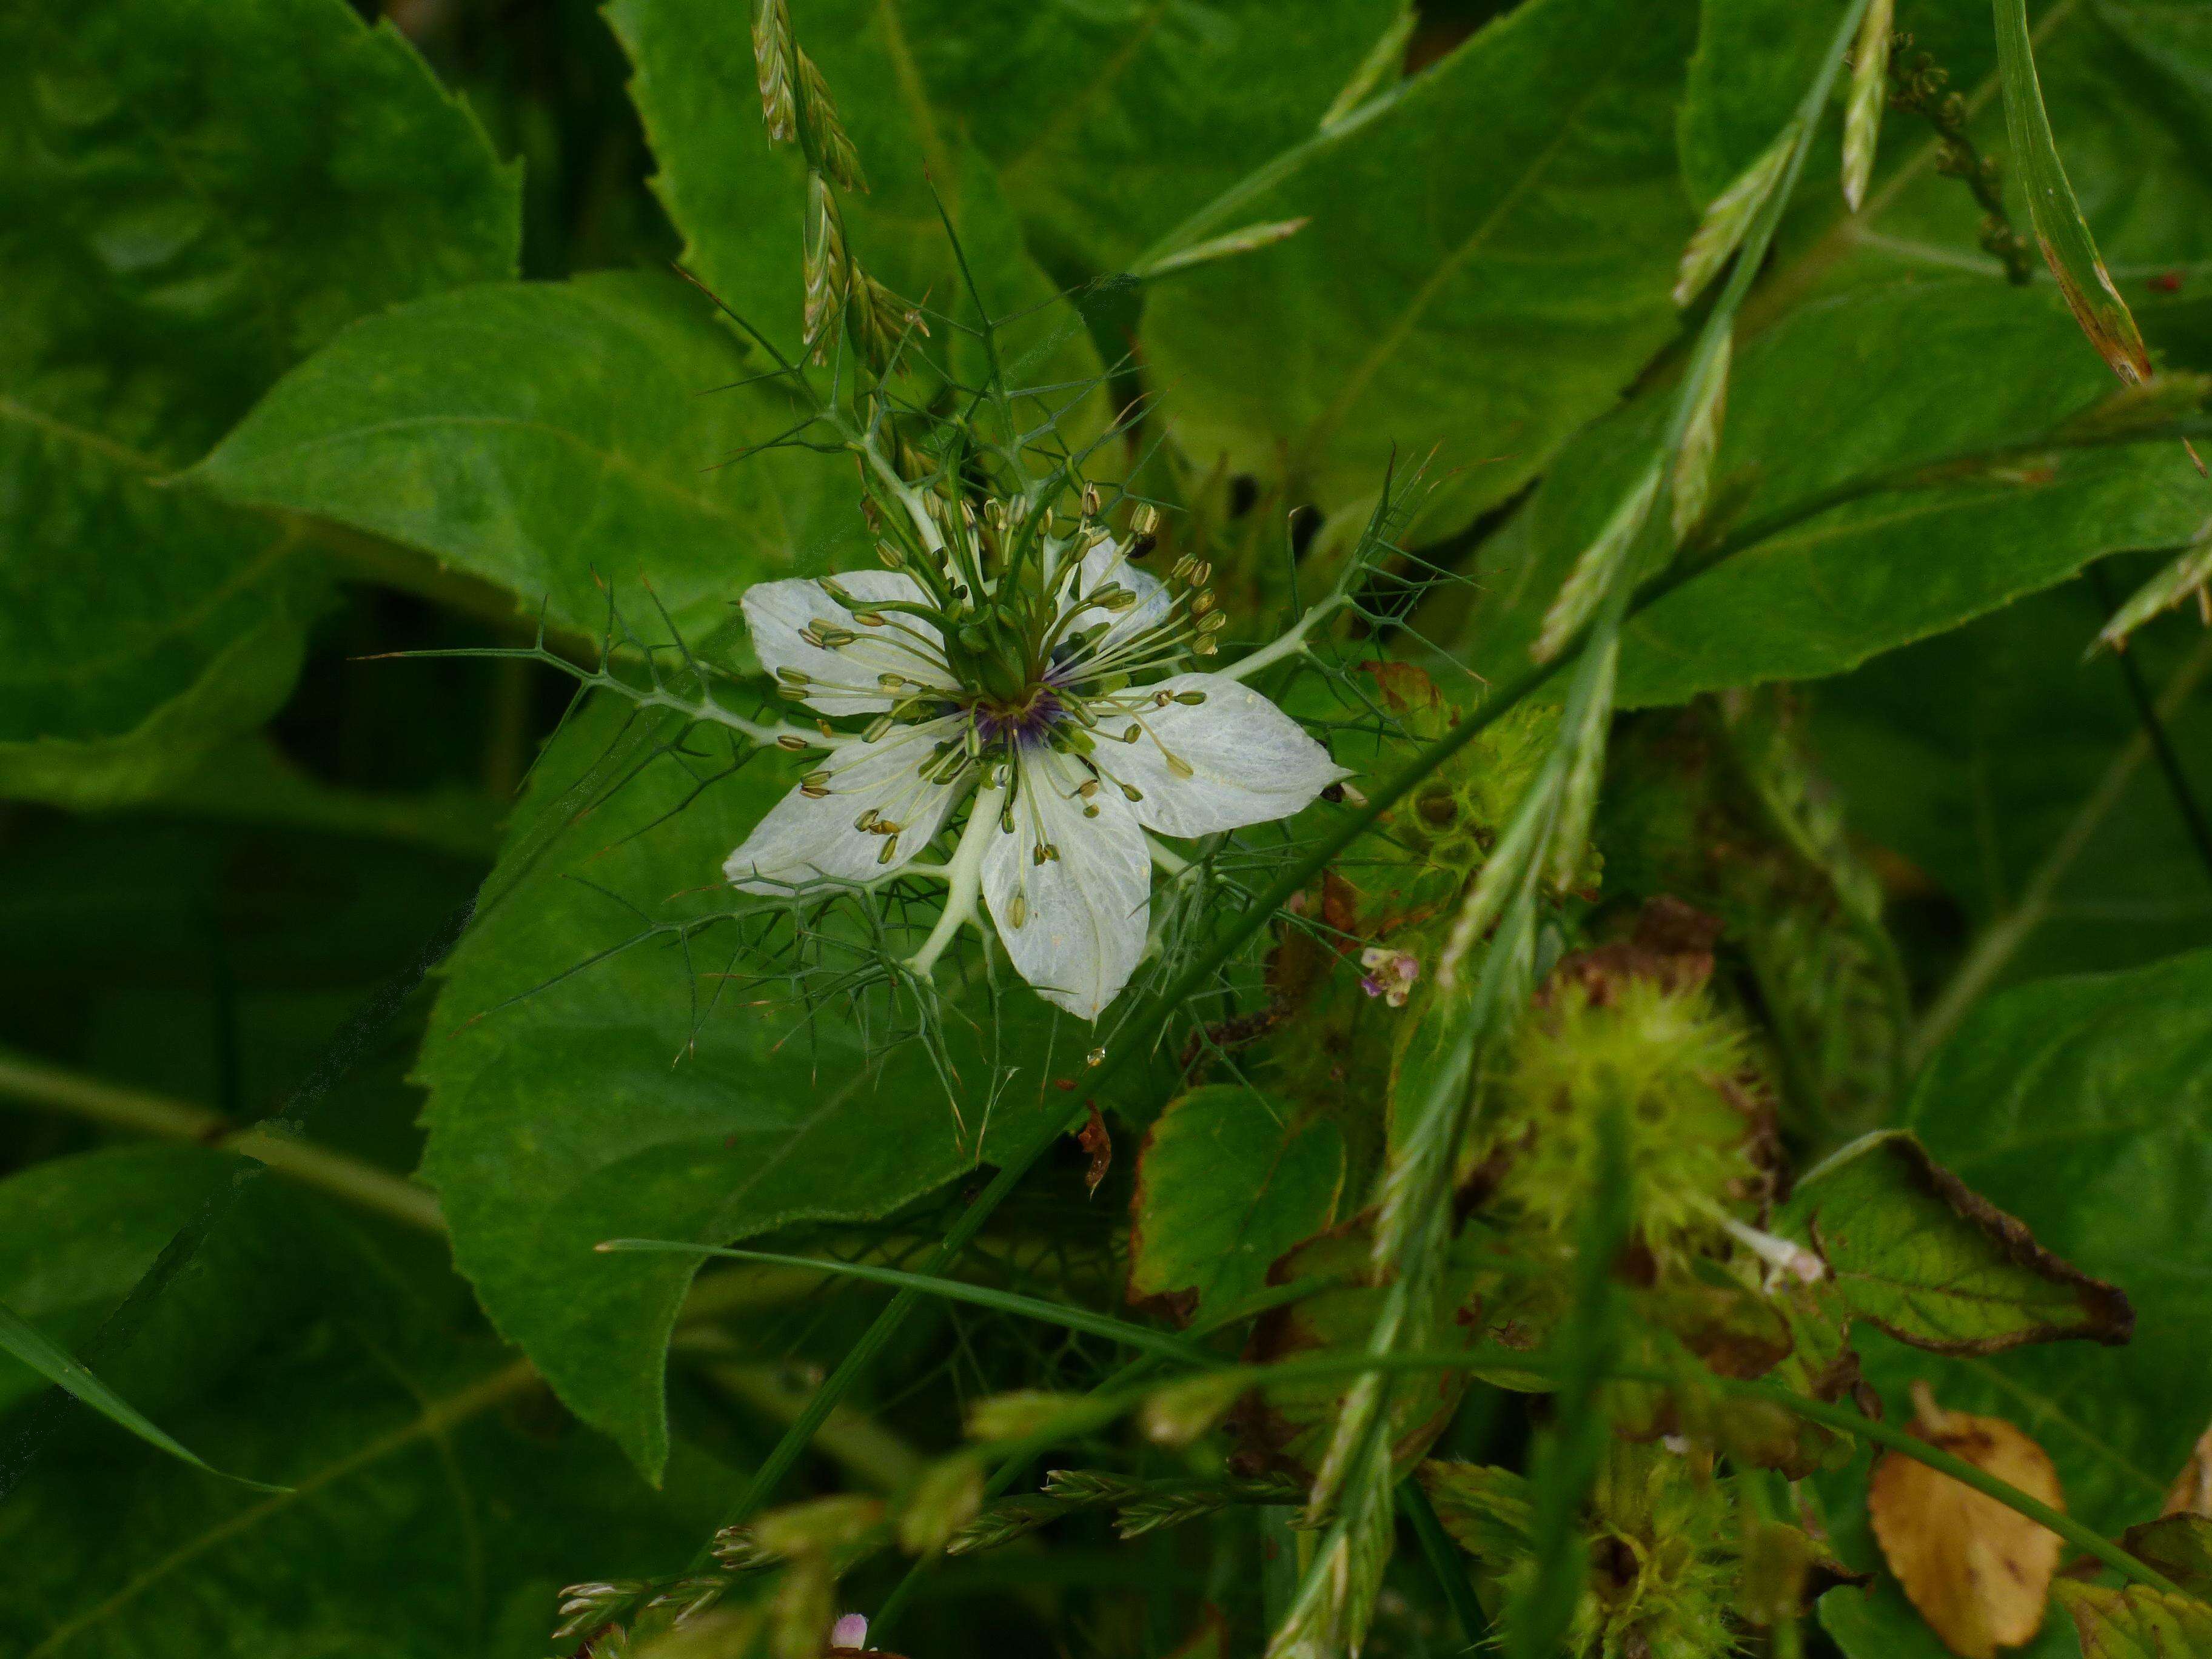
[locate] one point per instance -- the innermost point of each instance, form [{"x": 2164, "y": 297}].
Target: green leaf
[
  {"x": 1877, "y": 1622},
  {"x": 581, "y": 1090},
  {"x": 1485, "y": 1509},
  {"x": 1904, "y": 376},
  {"x": 189, "y": 202},
  {"x": 1488, "y": 263},
  {"x": 740, "y": 205},
  {"x": 2136, "y": 1622},
  {"x": 24, "y": 1341},
  {"x": 2082, "y": 1105},
  {"x": 437, "y": 1497},
  {"x": 2178, "y": 1546},
  {"x": 2010, "y": 774},
  {"x": 1914, "y": 1251},
  {"x": 1753, "y": 61},
  {"x": 1226, "y": 1183},
  {"x": 547, "y": 437},
  {"x": 1111, "y": 126}
]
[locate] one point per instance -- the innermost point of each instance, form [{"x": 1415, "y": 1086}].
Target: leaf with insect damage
[{"x": 1978, "y": 1571}]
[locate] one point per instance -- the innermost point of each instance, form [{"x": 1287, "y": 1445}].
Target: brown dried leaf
[
  {"x": 1978, "y": 1572},
  {"x": 1094, "y": 1140},
  {"x": 2191, "y": 1491}
]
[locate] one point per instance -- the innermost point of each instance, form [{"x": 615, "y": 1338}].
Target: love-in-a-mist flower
[{"x": 1023, "y": 666}]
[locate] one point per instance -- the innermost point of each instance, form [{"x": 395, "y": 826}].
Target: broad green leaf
[
  {"x": 548, "y": 438},
  {"x": 2009, "y": 772},
  {"x": 191, "y": 201},
  {"x": 1914, "y": 1251},
  {"x": 2082, "y": 1106},
  {"x": 438, "y": 1498},
  {"x": 2136, "y": 1622},
  {"x": 590, "y": 1081},
  {"x": 1487, "y": 265},
  {"x": 1753, "y": 61},
  {"x": 1902, "y": 374},
  {"x": 1226, "y": 1183},
  {"x": 1113, "y": 125},
  {"x": 740, "y": 205}
]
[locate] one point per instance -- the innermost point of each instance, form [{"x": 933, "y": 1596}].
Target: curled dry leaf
[
  {"x": 1978, "y": 1572},
  {"x": 2191, "y": 1491}
]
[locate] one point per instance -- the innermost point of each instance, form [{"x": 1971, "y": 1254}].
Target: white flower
[{"x": 1044, "y": 695}]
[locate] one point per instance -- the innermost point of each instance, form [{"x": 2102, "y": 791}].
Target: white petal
[
  {"x": 1084, "y": 914},
  {"x": 805, "y": 839},
  {"x": 775, "y": 611},
  {"x": 1108, "y": 564},
  {"x": 1243, "y": 760}
]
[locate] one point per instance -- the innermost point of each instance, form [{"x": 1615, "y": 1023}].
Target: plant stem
[
  {"x": 37, "y": 1084},
  {"x": 2153, "y": 731},
  {"x": 1998, "y": 942}
]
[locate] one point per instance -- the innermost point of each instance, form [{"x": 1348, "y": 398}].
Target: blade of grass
[
  {"x": 952, "y": 1290},
  {"x": 1444, "y": 1560},
  {"x": 26, "y": 1342}
]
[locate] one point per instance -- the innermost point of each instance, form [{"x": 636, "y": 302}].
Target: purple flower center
[{"x": 1025, "y": 724}]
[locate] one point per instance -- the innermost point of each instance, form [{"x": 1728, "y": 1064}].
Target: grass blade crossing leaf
[{"x": 26, "y": 1342}]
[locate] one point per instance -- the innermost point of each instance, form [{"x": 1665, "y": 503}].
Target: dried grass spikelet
[{"x": 1978, "y": 1572}]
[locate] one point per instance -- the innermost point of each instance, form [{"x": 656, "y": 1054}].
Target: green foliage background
[{"x": 328, "y": 336}]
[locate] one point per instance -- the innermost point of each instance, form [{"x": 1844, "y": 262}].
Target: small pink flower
[
  {"x": 850, "y": 1631},
  {"x": 1390, "y": 973}
]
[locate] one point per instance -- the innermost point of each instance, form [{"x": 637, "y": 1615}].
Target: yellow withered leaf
[{"x": 1978, "y": 1572}]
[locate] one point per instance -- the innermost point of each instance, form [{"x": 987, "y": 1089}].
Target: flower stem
[{"x": 1290, "y": 642}]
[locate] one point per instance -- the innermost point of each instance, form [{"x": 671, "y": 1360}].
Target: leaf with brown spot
[
  {"x": 1978, "y": 1572},
  {"x": 1914, "y": 1250},
  {"x": 2178, "y": 1546},
  {"x": 2137, "y": 1622}
]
